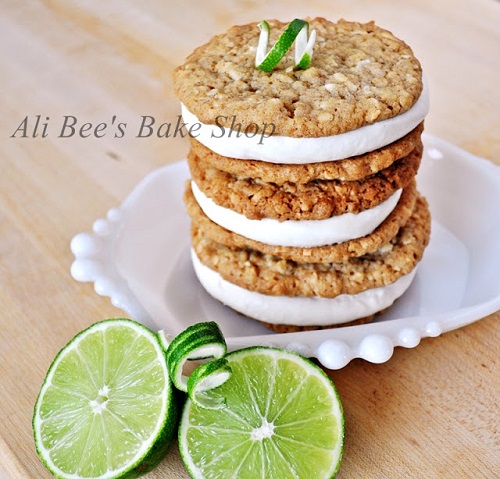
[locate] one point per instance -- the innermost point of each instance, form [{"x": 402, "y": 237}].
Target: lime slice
[
  {"x": 283, "y": 419},
  {"x": 268, "y": 62},
  {"x": 105, "y": 409}
]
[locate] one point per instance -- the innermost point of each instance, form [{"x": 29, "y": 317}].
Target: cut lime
[
  {"x": 282, "y": 419},
  {"x": 105, "y": 409}
]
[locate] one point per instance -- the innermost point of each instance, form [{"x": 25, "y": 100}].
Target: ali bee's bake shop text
[{"x": 145, "y": 126}]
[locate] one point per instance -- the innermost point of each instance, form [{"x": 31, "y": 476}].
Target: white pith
[{"x": 265, "y": 431}]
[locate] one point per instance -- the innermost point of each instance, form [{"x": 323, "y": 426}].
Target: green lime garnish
[
  {"x": 282, "y": 419},
  {"x": 206, "y": 377},
  {"x": 197, "y": 342},
  {"x": 296, "y": 31},
  {"x": 304, "y": 48},
  {"x": 106, "y": 408}
]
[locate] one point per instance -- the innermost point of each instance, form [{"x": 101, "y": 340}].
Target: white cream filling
[
  {"x": 289, "y": 150},
  {"x": 299, "y": 310},
  {"x": 303, "y": 233}
]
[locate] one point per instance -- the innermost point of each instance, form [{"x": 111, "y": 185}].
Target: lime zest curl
[
  {"x": 199, "y": 341},
  {"x": 206, "y": 377},
  {"x": 297, "y": 31}
]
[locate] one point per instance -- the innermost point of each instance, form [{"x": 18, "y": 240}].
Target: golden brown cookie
[
  {"x": 360, "y": 74},
  {"x": 316, "y": 200},
  {"x": 273, "y": 275},
  {"x": 321, "y": 254},
  {"x": 292, "y": 328},
  {"x": 352, "y": 169}
]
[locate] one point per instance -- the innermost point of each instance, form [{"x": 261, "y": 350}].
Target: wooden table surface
[{"x": 429, "y": 412}]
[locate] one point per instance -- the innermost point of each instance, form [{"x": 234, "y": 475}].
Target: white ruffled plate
[{"x": 139, "y": 257}]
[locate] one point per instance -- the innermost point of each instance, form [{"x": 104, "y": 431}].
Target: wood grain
[{"x": 431, "y": 411}]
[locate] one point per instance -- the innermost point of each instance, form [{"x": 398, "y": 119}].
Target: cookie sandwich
[{"x": 304, "y": 206}]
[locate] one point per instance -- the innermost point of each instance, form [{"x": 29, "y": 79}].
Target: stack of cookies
[{"x": 305, "y": 212}]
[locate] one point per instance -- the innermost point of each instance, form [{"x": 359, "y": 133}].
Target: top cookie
[{"x": 360, "y": 74}]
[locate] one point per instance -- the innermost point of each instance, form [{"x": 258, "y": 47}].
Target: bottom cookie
[
  {"x": 289, "y": 328},
  {"x": 299, "y": 313}
]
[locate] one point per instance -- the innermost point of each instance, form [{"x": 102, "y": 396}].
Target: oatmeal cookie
[
  {"x": 351, "y": 169},
  {"x": 316, "y": 200},
  {"x": 321, "y": 254},
  {"x": 292, "y": 328},
  {"x": 360, "y": 74},
  {"x": 273, "y": 275}
]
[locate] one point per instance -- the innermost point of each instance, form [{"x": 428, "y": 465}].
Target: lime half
[
  {"x": 105, "y": 409},
  {"x": 282, "y": 419}
]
